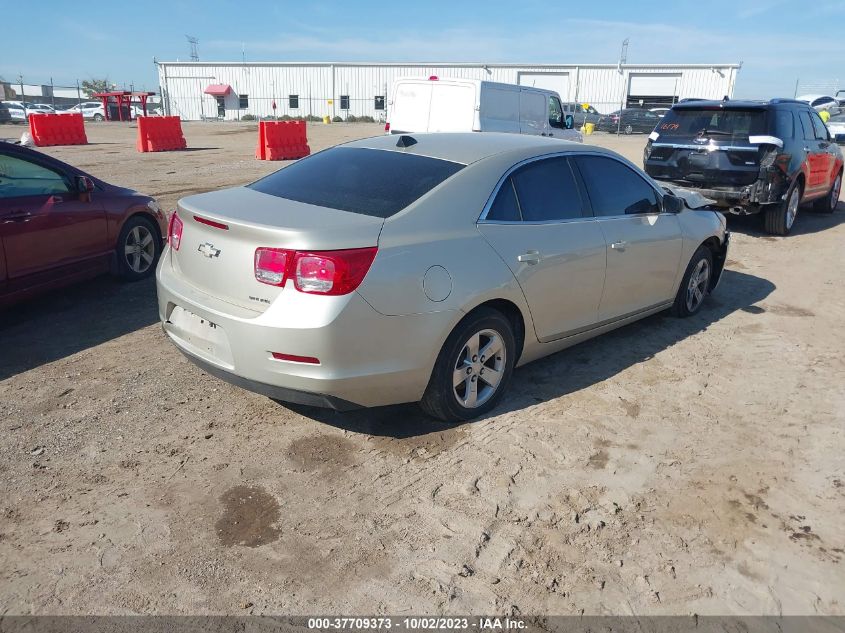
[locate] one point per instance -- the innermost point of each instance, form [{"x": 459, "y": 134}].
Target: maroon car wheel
[{"x": 138, "y": 248}]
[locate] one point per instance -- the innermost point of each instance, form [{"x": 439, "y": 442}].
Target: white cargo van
[{"x": 434, "y": 104}]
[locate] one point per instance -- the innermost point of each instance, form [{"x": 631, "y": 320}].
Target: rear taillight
[
  {"x": 387, "y": 127},
  {"x": 320, "y": 272},
  {"x": 174, "y": 231},
  {"x": 271, "y": 265}
]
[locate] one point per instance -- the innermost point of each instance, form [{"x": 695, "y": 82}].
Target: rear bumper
[
  {"x": 736, "y": 200},
  {"x": 365, "y": 358},
  {"x": 272, "y": 391}
]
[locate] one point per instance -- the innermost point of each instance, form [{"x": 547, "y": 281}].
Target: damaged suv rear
[{"x": 766, "y": 157}]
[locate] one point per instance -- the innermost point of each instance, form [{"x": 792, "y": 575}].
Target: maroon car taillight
[
  {"x": 315, "y": 272},
  {"x": 174, "y": 231}
]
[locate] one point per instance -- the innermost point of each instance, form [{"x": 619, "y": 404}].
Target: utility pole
[{"x": 623, "y": 59}]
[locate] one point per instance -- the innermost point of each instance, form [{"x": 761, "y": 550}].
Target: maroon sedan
[{"x": 59, "y": 225}]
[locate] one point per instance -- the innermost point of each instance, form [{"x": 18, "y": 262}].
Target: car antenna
[{"x": 406, "y": 141}]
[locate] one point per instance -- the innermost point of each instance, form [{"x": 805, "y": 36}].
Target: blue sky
[{"x": 777, "y": 41}]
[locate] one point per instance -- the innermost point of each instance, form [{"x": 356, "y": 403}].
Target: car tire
[
  {"x": 98, "y": 117},
  {"x": 138, "y": 249},
  {"x": 629, "y": 129},
  {"x": 779, "y": 219},
  {"x": 695, "y": 285},
  {"x": 829, "y": 202},
  {"x": 450, "y": 399}
]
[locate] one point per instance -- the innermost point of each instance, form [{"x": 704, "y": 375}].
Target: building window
[
  {"x": 243, "y": 101},
  {"x": 293, "y": 102},
  {"x": 344, "y": 102},
  {"x": 379, "y": 103}
]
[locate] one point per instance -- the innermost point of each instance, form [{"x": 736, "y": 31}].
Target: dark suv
[{"x": 765, "y": 157}]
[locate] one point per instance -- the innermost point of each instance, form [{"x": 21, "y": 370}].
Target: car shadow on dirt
[
  {"x": 806, "y": 222},
  {"x": 571, "y": 370},
  {"x": 64, "y": 322}
]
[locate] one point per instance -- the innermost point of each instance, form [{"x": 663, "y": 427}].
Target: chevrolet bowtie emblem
[{"x": 208, "y": 250}]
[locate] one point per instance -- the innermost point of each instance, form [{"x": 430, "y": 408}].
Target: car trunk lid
[{"x": 222, "y": 229}]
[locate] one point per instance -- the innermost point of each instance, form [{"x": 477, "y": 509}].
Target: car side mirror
[
  {"x": 569, "y": 121},
  {"x": 84, "y": 184},
  {"x": 672, "y": 204}
]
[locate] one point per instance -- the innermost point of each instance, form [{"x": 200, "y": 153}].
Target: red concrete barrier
[
  {"x": 282, "y": 140},
  {"x": 57, "y": 129},
  {"x": 160, "y": 134}
]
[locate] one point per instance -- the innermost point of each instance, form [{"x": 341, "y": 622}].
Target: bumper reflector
[{"x": 296, "y": 359}]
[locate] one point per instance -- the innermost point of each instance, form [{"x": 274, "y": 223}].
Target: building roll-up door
[{"x": 653, "y": 90}]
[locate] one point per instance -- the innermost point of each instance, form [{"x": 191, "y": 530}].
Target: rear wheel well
[{"x": 514, "y": 315}]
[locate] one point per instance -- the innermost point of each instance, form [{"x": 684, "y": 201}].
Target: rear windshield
[
  {"x": 715, "y": 124},
  {"x": 367, "y": 181}
]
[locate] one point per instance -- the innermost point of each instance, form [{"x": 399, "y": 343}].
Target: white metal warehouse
[{"x": 230, "y": 90}]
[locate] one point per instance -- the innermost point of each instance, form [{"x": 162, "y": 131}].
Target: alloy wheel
[
  {"x": 834, "y": 193},
  {"x": 139, "y": 249},
  {"x": 697, "y": 287},
  {"x": 479, "y": 368}
]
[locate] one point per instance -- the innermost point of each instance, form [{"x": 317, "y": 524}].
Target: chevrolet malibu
[{"x": 426, "y": 267}]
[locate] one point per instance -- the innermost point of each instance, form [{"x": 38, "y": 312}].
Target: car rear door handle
[
  {"x": 530, "y": 258},
  {"x": 619, "y": 246}
]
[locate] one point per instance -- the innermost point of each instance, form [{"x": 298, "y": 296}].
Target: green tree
[{"x": 91, "y": 86}]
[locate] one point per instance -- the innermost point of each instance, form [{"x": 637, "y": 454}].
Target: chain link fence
[{"x": 56, "y": 97}]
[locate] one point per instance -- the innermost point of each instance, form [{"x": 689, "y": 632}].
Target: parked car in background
[
  {"x": 820, "y": 102},
  {"x": 435, "y": 104},
  {"x": 633, "y": 120},
  {"x": 426, "y": 268},
  {"x": 840, "y": 98},
  {"x": 59, "y": 225},
  {"x": 17, "y": 113},
  {"x": 767, "y": 157},
  {"x": 39, "y": 108},
  {"x": 582, "y": 113},
  {"x": 836, "y": 125},
  {"x": 5, "y": 115},
  {"x": 89, "y": 109}
]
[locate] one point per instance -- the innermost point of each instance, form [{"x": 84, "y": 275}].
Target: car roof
[
  {"x": 469, "y": 147},
  {"x": 739, "y": 104}
]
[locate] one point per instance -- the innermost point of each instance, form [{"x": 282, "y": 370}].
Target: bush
[
  {"x": 248, "y": 117},
  {"x": 365, "y": 119},
  {"x": 351, "y": 118},
  {"x": 313, "y": 118},
  {"x": 337, "y": 119}
]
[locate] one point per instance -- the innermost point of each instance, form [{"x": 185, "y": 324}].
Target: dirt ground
[{"x": 670, "y": 467}]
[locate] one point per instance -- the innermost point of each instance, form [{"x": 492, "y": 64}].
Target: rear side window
[
  {"x": 366, "y": 181},
  {"x": 819, "y": 126},
  {"x": 505, "y": 208},
  {"x": 807, "y": 124},
  {"x": 546, "y": 191},
  {"x": 615, "y": 188}
]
